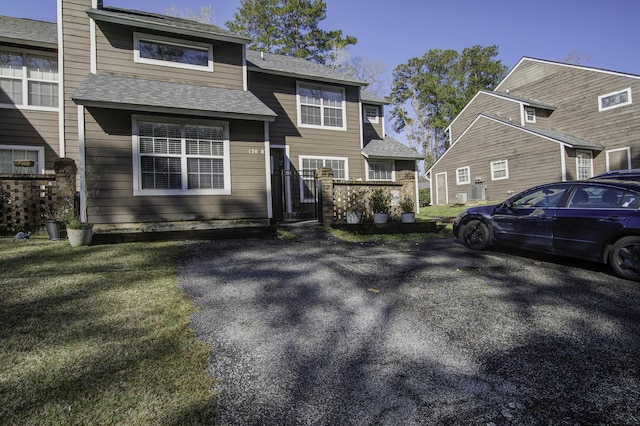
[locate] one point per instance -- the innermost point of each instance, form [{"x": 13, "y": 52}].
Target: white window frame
[
  {"x": 618, "y": 92},
  {"x": 494, "y": 169},
  {"x": 343, "y": 106},
  {"x": 174, "y": 42},
  {"x": 610, "y": 151},
  {"x": 38, "y": 149},
  {"x": 184, "y": 191},
  {"x": 25, "y": 79},
  {"x": 460, "y": 181},
  {"x": 371, "y": 118},
  {"x": 580, "y": 155},
  {"x": 370, "y": 169},
  {"x": 324, "y": 158},
  {"x": 530, "y": 115}
]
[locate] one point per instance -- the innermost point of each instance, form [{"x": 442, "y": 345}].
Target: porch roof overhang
[
  {"x": 389, "y": 149},
  {"x": 124, "y": 93}
]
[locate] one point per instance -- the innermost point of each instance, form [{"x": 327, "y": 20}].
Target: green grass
[
  {"x": 98, "y": 335},
  {"x": 440, "y": 211}
]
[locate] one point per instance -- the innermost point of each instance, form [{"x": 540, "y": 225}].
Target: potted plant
[
  {"x": 379, "y": 203},
  {"x": 79, "y": 233},
  {"x": 407, "y": 206},
  {"x": 51, "y": 223},
  {"x": 356, "y": 208}
]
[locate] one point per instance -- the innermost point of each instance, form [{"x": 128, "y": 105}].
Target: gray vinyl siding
[
  {"x": 109, "y": 170},
  {"x": 574, "y": 92},
  {"x": 524, "y": 152},
  {"x": 485, "y": 103},
  {"x": 31, "y": 128},
  {"x": 116, "y": 57},
  {"x": 279, "y": 94}
]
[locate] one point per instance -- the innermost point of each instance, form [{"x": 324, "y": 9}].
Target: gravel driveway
[{"x": 317, "y": 331}]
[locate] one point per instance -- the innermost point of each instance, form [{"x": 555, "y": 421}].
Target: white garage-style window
[
  {"x": 158, "y": 50},
  {"x": 321, "y": 107},
  {"x": 463, "y": 176},
  {"x": 499, "y": 170},
  {"x": 173, "y": 158}
]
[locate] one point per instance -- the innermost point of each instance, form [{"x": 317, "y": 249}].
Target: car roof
[{"x": 627, "y": 184}]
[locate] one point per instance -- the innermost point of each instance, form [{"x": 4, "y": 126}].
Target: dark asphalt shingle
[
  {"x": 28, "y": 32},
  {"x": 391, "y": 149}
]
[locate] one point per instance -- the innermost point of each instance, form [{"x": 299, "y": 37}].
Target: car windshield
[{"x": 548, "y": 196}]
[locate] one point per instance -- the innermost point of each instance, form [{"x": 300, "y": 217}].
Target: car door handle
[{"x": 613, "y": 219}]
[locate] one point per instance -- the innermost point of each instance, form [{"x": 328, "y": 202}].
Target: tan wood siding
[
  {"x": 523, "y": 152},
  {"x": 279, "y": 93},
  {"x": 116, "y": 57},
  {"x": 110, "y": 177},
  {"x": 31, "y": 128},
  {"x": 488, "y": 104}
]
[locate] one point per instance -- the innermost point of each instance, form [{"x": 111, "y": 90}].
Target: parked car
[
  {"x": 626, "y": 174},
  {"x": 595, "y": 220}
]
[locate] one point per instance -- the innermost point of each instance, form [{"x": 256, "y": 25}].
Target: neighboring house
[
  {"x": 546, "y": 121},
  {"x": 171, "y": 120}
]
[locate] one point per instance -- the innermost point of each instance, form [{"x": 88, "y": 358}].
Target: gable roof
[
  {"x": 550, "y": 135},
  {"x": 168, "y": 24},
  {"x": 289, "y": 66},
  {"x": 390, "y": 148},
  {"x": 369, "y": 98},
  {"x": 28, "y": 32},
  {"x": 156, "y": 96},
  {"x": 562, "y": 64}
]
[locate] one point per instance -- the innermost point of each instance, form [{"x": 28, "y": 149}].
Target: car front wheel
[
  {"x": 475, "y": 235},
  {"x": 625, "y": 258}
]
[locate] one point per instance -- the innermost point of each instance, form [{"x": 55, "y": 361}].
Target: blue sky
[{"x": 393, "y": 31}]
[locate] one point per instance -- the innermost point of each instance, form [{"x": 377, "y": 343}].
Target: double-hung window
[
  {"x": 157, "y": 50},
  {"x": 371, "y": 114},
  {"x": 28, "y": 80},
  {"x": 499, "y": 170},
  {"x": 13, "y": 159},
  {"x": 463, "y": 176},
  {"x": 308, "y": 167},
  {"x": 181, "y": 158},
  {"x": 321, "y": 107},
  {"x": 380, "y": 170}
]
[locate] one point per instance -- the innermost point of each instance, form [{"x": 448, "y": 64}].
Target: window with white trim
[
  {"x": 499, "y": 170},
  {"x": 181, "y": 158},
  {"x": 614, "y": 99},
  {"x": 308, "y": 167},
  {"x": 9, "y": 154},
  {"x": 381, "y": 170},
  {"x": 371, "y": 114},
  {"x": 28, "y": 79},
  {"x": 584, "y": 165},
  {"x": 321, "y": 107},
  {"x": 158, "y": 50},
  {"x": 530, "y": 115},
  {"x": 463, "y": 176}
]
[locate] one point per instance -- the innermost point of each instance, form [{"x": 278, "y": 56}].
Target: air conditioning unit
[
  {"x": 476, "y": 193},
  {"x": 461, "y": 198}
]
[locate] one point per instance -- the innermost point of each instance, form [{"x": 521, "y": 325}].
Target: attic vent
[{"x": 476, "y": 193}]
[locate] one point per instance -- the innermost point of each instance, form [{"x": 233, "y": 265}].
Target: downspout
[
  {"x": 83, "y": 164},
  {"x": 61, "y": 136},
  {"x": 267, "y": 170},
  {"x": 563, "y": 163}
]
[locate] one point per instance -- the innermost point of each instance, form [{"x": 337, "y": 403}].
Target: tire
[
  {"x": 624, "y": 258},
  {"x": 475, "y": 235}
]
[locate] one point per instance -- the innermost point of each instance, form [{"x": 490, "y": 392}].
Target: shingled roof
[
  {"x": 390, "y": 148},
  {"x": 156, "y": 96},
  {"x": 28, "y": 32},
  {"x": 168, "y": 24},
  {"x": 296, "y": 67}
]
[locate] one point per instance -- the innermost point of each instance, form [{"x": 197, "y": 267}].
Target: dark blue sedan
[{"x": 595, "y": 220}]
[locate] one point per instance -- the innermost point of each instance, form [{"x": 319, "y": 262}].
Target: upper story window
[
  {"x": 321, "y": 107},
  {"x": 371, "y": 115},
  {"x": 530, "y": 115},
  {"x": 463, "y": 176},
  {"x": 28, "y": 80},
  {"x": 157, "y": 50},
  {"x": 174, "y": 158},
  {"x": 499, "y": 170},
  {"x": 614, "y": 100}
]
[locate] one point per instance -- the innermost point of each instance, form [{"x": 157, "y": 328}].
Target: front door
[
  {"x": 277, "y": 182},
  {"x": 441, "y": 189}
]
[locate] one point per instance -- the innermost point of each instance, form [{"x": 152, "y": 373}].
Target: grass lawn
[{"x": 98, "y": 335}]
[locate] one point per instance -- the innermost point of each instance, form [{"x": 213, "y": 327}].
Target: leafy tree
[
  {"x": 429, "y": 91},
  {"x": 288, "y": 27}
]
